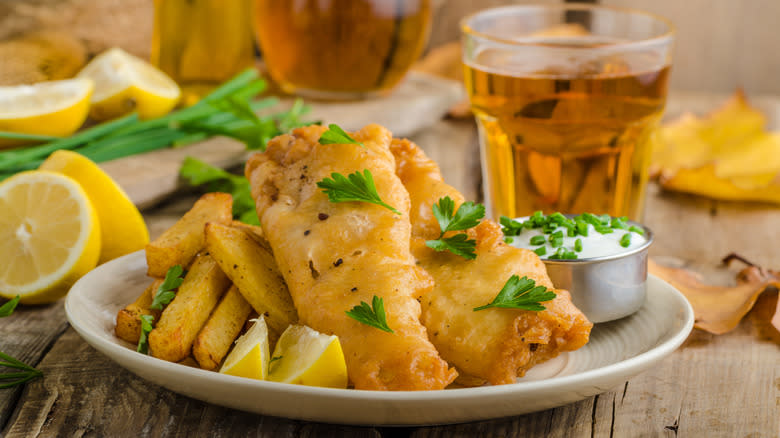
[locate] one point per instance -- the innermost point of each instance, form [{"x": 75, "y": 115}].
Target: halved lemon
[
  {"x": 249, "y": 357},
  {"x": 124, "y": 83},
  {"x": 56, "y": 108},
  {"x": 307, "y": 357},
  {"x": 49, "y": 236},
  {"x": 122, "y": 227}
]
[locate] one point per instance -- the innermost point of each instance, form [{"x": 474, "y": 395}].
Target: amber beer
[
  {"x": 340, "y": 48},
  {"x": 566, "y": 98}
]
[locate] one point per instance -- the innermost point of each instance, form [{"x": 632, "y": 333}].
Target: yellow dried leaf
[
  {"x": 725, "y": 155},
  {"x": 718, "y": 309}
]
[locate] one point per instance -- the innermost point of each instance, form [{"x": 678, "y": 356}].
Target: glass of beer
[
  {"x": 340, "y": 49},
  {"x": 566, "y": 98}
]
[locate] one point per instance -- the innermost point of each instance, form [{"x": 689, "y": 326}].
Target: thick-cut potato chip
[
  {"x": 128, "y": 320},
  {"x": 252, "y": 268},
  {"x": 179, "y": 244},
  {"x": 203, "y": 286},
  {"x": 222, "y": 328}
]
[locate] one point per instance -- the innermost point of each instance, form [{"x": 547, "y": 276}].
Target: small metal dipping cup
[{"x": 605, "y": 288}]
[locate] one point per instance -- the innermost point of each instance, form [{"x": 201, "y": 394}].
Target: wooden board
[{"x": 419, "y": 101}]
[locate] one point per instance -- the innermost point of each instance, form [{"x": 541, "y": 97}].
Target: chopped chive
[
  {"x": 537, "y": 240},
  {"x": 578, "y": 245},
  {"x": 508, "y": 240},
  {"x": 603, "y": 229},
  {"x": 582, "y": 228},
  {"x": 625, "y": 241},
  {"x": 542, "y": 250},
  {"x": 510, "y": 227},
  {"x": 571, "y": 232},
  {"x": 605, "y": 219},
  {"x": 637, "y": 230},
  {"x": 618, "y": 223}
]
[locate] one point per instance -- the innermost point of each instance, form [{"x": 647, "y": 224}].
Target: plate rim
[{"x": 120, "y": 353}]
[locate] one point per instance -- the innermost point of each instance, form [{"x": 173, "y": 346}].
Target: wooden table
[{"x": 714, "y": 386}]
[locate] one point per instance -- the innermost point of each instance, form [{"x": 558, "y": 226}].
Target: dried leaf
[
  {"x": 725, "y": 155},
  {"x": 719, "y": 309}
]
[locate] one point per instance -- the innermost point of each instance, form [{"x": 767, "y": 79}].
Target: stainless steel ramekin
[{"x": 605, "y": 288}]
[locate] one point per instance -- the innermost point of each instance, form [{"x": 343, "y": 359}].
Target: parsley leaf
[
  {"x": 373, "y": 315},
  {"x": 197, "y": 173},
  {"x": 520, "y": 293},
  {"x": 165, "y": 293},
  {"x": 358, "y": 187},
  {"x": 459, "y": 244},
  {"x": 467, "y": 216},
  {"x": 336, "y": 135},
  {"x": 146, "y": 327},
  {"x": 8, "y": 308}
]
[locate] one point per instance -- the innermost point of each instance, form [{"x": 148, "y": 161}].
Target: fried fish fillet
[
  {"x": 496, "y": 344},
  {"x": 334, "y": 256}
]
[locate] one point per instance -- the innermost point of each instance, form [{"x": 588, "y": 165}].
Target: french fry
[
  {"x": 221, "y": 329},
  {"x": 182, "y": 319},
  {"x": 252, "y": 268},
  {"x": 128, "y": 320},
  {"x": 179, "y": 244}
]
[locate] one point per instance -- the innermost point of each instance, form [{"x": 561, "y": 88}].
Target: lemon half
[
  {"x": 249, "y": 357},
  {"x": 124, "y": 83},
  {"x": 123, "y": 229},
  {"x": 49, "y": 236},
  {"x": 56, "y": 108},
  {"x": 307, "y": 357}
]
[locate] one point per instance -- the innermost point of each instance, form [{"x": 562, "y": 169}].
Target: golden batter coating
[
  {"x": 495, "y": 345},
  {"x": 335, "y": 255}
]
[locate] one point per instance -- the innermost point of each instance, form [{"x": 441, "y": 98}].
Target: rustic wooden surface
[{"x": 714, "y": 386}]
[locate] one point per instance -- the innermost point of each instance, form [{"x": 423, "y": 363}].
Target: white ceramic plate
[{"x": 617, "y": 350}]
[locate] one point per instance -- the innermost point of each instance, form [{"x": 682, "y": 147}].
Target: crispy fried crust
[
  {"x": 495, "y": 345},
  {"x": 335, "y": 255}
]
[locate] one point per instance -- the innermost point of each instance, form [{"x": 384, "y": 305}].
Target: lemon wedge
[
  {"x": 122, "y": 227},
  {"x": 49, "y": 236},
  {"x": 249, "y": 357},
  {"x": 307, "y": 357},
  {"x": 124, "y": 83},
  {"x": 56, "y": 108}
]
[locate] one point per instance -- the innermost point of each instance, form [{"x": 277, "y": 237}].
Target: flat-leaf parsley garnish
[
  {"x": 357, "y": 187},
  {"x": 373, "y": 315},
  {"x": 166, "y": 292},
  {"x": 336, "y": 135},
  {"x": 467, "y": 216},
  {"x": 520, "y": 293}
]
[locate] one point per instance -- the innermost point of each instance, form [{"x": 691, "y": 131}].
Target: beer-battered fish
[
  {"x": 335, "y": 255},
  {"x": 496, "y": 344}
]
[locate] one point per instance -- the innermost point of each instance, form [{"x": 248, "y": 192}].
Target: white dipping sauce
[{"x": 594, "y": 244}]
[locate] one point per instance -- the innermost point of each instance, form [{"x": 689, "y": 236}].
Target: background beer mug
[
  {"x": 340, "y": 49},
  {"x": 566, "y": 98}
]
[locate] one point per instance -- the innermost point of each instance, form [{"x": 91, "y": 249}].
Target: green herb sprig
[
  {"x": 373, "y": 315},
  {"x": 228, "y": 111},
  {"x": 467, "y": 216},
  {"x": 336, "y": 135},
  {"x": 165, "y": 293},
  {"x": 520, "y": 293},
  {"x": 27, "y": 372},
  {"x": 356, "y": 187},
  {"x": 197, "y": 173}
]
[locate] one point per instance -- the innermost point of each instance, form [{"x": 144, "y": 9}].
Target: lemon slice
[
  {"x": 49, "y": 236},
  {"x": 122, "y": 227},
  {"x": 307, "y": 357},
  {"x": 249, "y": 357},
  {"x": 124, "y": 83},
  {"x": 56, "y": 108}
]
